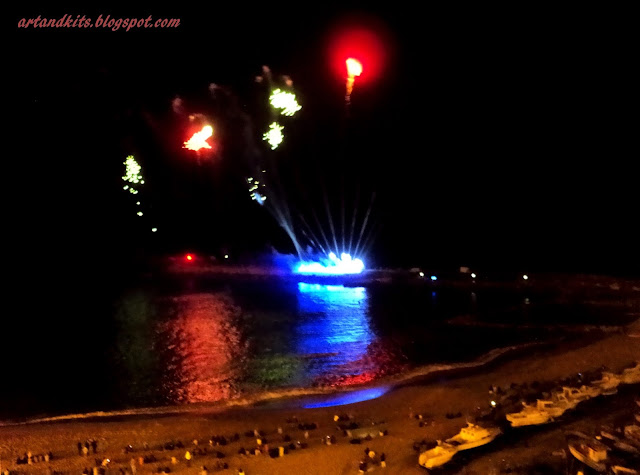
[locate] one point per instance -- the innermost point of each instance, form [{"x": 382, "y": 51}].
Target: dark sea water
[{"x": 194, "y": 339}]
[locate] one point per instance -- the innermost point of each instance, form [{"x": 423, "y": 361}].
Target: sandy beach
[{"x": 438, "y": 401}]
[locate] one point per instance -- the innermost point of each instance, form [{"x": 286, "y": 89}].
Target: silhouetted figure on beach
[
  {"x": 79, "y": 448},
  {"x": 94, "y": 446}
]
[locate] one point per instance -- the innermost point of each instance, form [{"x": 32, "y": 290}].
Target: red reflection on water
[
  {"x": 353, "y": 379},
  {"x": 205, "y": 348},
  {"x": 381, "y": 359}
]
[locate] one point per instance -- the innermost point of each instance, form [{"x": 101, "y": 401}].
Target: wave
[{"x": 295, "y": 394}]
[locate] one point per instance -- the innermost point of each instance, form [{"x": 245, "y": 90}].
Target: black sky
[{"x": 494, "y": 138}]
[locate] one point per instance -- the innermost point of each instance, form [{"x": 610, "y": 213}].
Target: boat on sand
[
  {"x": 632, "y": 434},
  {"x": 473, "y": 436},
  {"x": 580, "y": 394},
  {"x": 631, "y": 375},
  {"x": 608, "y": 383},
  {"x": 439, "y": 455},
  {"x": 591, "y": 452},
  {"x": 530, "y": 415}
]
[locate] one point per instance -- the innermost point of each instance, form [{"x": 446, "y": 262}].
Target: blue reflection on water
[
  {"x": 349, "y": 398},
  {"x": 334, "y": 326}
]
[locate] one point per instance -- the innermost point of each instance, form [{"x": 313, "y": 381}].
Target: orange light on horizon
[{"x": 189, "y": 257}]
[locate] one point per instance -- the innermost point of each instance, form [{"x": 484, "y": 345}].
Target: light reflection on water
[
  {"x": 204, "y": 348},
  {"x": 333, "y": 327},
  {"x": 177, "y": 339},
  {"x": 211, "y": 351},
  {"x": 207, "y": 343},
  {"x": 196, "y": 340},
  {"x": 350, "y": 397}
]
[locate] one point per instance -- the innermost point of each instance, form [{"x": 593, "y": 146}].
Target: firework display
[
  {"x": 274, "y": 135},
  {"x": 133, "y": 179},
  {"x": 332, "y": 265},
  {"x": 254, "y": 186},
  {"x": 133, "y": 175},
  {"x": 265, "y": 185},
  {"x": 198, "y": 140},
  {"x": 285, "y": 101},
  {"x": 354, "y": 69}
]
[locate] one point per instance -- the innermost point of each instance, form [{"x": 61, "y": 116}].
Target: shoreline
[
  {"x": 435, "y": 400},
  {"x": 415, "y": 376}
]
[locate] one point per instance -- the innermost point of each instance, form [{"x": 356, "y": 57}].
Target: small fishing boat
[
  {"x": 473, "y": 436},
  {"x": 631, "y": 375},
  {"x": 530, "y": 415},
  {"x": 620, "y": 444},
  {"x": 632, "y": 433},
  {"x": 616, "y": 469},
  {"x": 620, "y": 469},
  {"x": 607, "y": 384},
  {"x": 578, "y": 395},
  {"x": 439, "y": 455},
  {"x": 590, "y": 452},
  {"x": 556, "y": 407}
]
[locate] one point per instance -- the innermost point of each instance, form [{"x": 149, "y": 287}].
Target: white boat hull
[
  {"x": 436, "y": 457},
  {"x": 597, "y": 466}
]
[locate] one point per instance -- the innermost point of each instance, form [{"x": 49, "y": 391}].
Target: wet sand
[{"x": 434, "y": 400}]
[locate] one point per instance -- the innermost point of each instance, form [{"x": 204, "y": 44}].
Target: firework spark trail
[
  {"x": 326, "y": 205},
  {"x": 274, "y": 136},
  {"x": 199, "y": 139},
  {"x": 285, "y": 101},
  {"x": 133, "y": 178},
  {"x": 353, "y": 219},
  {"x": 364, "y": 224},
  {"x": 286, "y": 226},
  {"x": 354, "y": 68},
  {"x": 280, "y": 206},
  {"x": 315, "y": 238},
  {"x": 277, "y": 211},
  {"x": 370, "y": 239},
  {"x": 313, "y": 244},
  {"x": 281, "y": 103},
  {"x": 321, "y": 228},
  {"x": 280, "y": 189},
  {"x": 342, "y": 214}
]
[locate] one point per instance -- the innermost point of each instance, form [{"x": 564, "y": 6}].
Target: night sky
[{"x": 498, "y": 139}]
